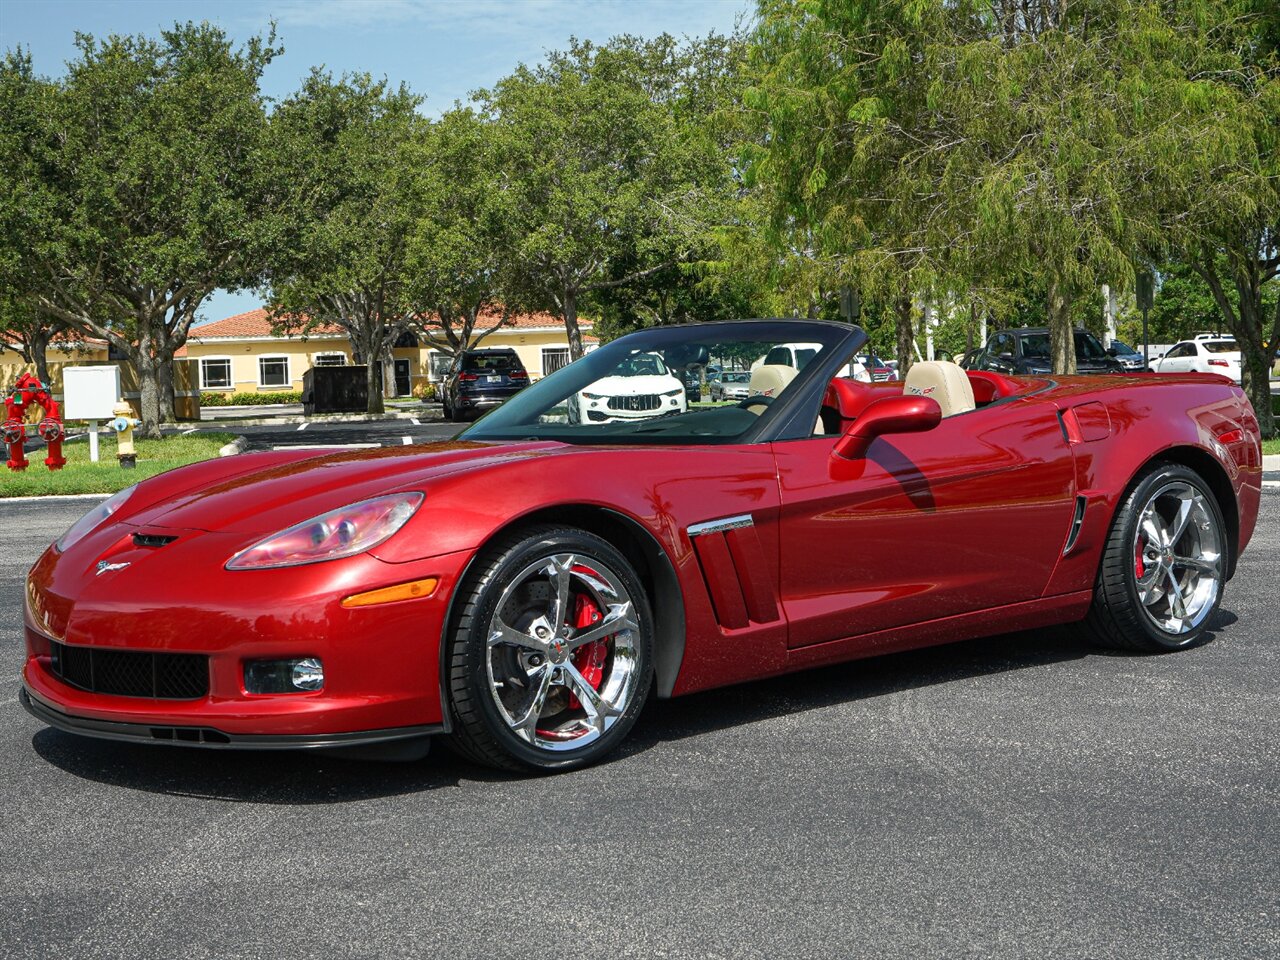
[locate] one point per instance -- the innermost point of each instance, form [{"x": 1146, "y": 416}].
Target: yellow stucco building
[{"x": 241, "y": 355}]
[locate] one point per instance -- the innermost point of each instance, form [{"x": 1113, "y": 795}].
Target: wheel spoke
[
  {"x": 1186, "y": 506},
  {"x": 1151, "y": 527},
  {"x": 598, "y": 709},
  {"x": 501, "y": 633},
  {"x": 527, "y": 725},
  {"x": 1200, "y": 564},
  {"x": 1176, "y": 603},
  {"x": 558, "y": 569},
  {"x": 615, "y": 621},
  {"x": 1149, "y": 585}
]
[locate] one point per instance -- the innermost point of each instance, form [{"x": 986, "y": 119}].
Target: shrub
[
  {"x": 425, "y": 391},
  {"x": 249, "y": 399}
]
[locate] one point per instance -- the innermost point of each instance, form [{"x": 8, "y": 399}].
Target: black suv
[
  {"x": 1027, "y": 351},
  {"x": 480, "y": 379}
]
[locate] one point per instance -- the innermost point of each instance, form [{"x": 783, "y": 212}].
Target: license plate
[{"x": 492, "y": 379}]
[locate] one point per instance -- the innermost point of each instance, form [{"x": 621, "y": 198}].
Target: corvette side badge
[{"x": 105, "y": 566}]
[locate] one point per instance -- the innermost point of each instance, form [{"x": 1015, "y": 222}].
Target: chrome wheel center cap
[{"x": 557, "y": 651}]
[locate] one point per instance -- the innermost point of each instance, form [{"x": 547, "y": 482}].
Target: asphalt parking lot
[{"x": 1021, "y": 796}]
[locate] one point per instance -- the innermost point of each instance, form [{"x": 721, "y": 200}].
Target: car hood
[
  {"x": 277, "y": 495},
  {"x": 634, "y": 386}
]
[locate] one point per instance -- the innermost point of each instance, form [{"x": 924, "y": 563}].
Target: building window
[
  {"x": 330, "y": 360},
  {"x": 440, "y": 363},
  {"x": 215, "y": 373},
  {"x": 553, "y": 358},
  {"x": 273, "y": 371}
]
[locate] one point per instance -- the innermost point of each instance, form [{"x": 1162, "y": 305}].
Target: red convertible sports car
[{"x": 526, "y": 586}]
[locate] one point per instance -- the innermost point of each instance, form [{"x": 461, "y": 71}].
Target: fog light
[{"x": 284, "y": 676}]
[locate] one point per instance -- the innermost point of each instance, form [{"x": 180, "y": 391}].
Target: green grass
[
  {"x": 1270, "y": 447},
  {"x": 105, "y": 476}
]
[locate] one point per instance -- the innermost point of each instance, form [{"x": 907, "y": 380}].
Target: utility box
[
  {"x": 90, "y": 393},
  {"x": 335, "y": 390}
]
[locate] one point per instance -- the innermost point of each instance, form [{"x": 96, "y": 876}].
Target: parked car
[
  {"x": 1026, "y": 351},
  {"x": 480, "y": 380},
  {"x": 692, "y": 384},
  {"x": 1202, "y": 355},
  {"x": 797, "y": 355},
  {"x": 523, "y": 588},
  {"x": 731, "y": 385},
  {"x": 640, "y": 387},
  {"x": 877, "y": 369},
  {"x": 1128, "y": 357}
]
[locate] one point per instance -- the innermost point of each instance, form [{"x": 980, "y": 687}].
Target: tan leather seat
[
  {"x": 768, "y": 380},
  {"x": 945, "y": 382}
]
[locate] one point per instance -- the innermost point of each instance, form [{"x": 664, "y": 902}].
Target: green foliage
[
  {"x": 80, "y": 475},
  {"x": 133, "y": 187},
  {"x": 219, "y": 399},
  {"x": 611, "y": 157}
]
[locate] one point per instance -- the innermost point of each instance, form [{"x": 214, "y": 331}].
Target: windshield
[
  {"x": 490, "y": 361},
  {"x": 1220, "y": 346},
  {"x": 1088, "y": 347},
  {"x": 633, "y": 389},
  {"x": 1122, "y": 347}
]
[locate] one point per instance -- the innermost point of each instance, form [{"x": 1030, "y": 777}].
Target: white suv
[{"x": 1202, "y": 355}]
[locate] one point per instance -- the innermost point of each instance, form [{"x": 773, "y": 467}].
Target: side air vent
[
  {"x": 151, "y": 539},
  {"x": 1076, "y": 523},
  {"x": 733, "y": 566}
]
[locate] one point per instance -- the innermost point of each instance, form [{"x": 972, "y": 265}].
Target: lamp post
[{"x": 1146, "y": 297}]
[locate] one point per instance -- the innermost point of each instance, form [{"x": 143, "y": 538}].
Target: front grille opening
[
  {"x": 130, "y": 673},
  {"x": 151, "y": 539},
  {"x": 189, "y": 735},
  {"x": 644, "y": 401}
]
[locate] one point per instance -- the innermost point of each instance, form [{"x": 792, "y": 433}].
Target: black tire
[
  {"x": 1118, "y": 618},
  {"x": 448, "y": 410},
  {"x": 483, "y": 731}
]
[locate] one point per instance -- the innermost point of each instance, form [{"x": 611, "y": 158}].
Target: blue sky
[{"x": 442, "y": 48}]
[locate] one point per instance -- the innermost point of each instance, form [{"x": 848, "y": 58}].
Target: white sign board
[{"x": 90, "y": 393}]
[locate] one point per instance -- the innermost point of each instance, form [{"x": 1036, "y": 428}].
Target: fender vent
[
  {"x": 1076, "y": 523},
  {"x": 733, "y": 566}
]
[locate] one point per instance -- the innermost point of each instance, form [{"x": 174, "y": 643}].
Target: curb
[
  {"x": 1271, "y": 462},
  {"x": 55, "y": 496},
  {"x": 317, "y": 419},
  {"x": 235, "y": 447}
]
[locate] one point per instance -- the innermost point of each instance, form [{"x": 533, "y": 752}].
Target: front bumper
[
  {"x": 381, "y": 662},
  {"x": 209, "y": 737}
]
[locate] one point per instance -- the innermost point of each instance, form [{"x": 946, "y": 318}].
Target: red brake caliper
[
  {"x": 589, "y": 659},
  {"x": 1138, "y": 565}
]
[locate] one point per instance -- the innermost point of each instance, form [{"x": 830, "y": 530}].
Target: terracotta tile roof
[{"x": 255, "y": 323}]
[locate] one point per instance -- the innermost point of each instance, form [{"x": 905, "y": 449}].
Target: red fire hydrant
[{"x": 26, "y": 392}]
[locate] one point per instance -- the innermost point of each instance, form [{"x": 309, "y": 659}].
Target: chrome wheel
[
  {"x": 562, "y": 657},
  {"x": 1177, "y": 558}
]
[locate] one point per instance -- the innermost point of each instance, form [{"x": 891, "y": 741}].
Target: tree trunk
[
  {"x": 906, "y": 334},
  {"x": 969, "y": 328},
  {"x": 1062, "y": 341},
  {"x": 39, "y": 357},
  {"x": 373, "y": 383},
  {"x": 149, "y": 386},
  {"x": 571, "y": 323},
  {"x": 164, "y": 377}
]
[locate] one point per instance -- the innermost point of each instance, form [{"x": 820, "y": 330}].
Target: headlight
[
  {"x": 339, "y": 533},
  {"x": 674, "y": 393},
  {"x": 82, "y": 527},
  {"x": 592, "y": 396}
]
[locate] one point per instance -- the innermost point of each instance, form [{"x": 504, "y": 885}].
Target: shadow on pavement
[{"x": 312, "y": 777}]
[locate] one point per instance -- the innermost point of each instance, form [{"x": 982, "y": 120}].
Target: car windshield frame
[{"x": 519, "y": 418}]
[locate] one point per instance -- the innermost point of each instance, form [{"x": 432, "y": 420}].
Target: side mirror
[
  {"x": 1112, "y": 351},
  {"x": 909, "y": 414}
]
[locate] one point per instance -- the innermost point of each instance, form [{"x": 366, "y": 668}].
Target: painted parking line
[
  {"x": 415, "y": 421},
  {"x": 304, "y": 425}
]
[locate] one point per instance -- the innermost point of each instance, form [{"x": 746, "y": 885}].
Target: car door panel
[{"x": 969, "y": 515}]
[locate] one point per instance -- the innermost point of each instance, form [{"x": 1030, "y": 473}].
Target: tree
[
  {"x": 134, "y": 186},
  {"x": 1218, "y": 157},
  {"x": 341, "y": 168},
  {"x": 606, "y": 161},
  {"x": 458, "y": 264}
]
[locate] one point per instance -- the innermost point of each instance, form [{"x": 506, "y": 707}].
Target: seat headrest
[
  {"x": 944, "y": 382},
  {"x": 770, "y": 379}
]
